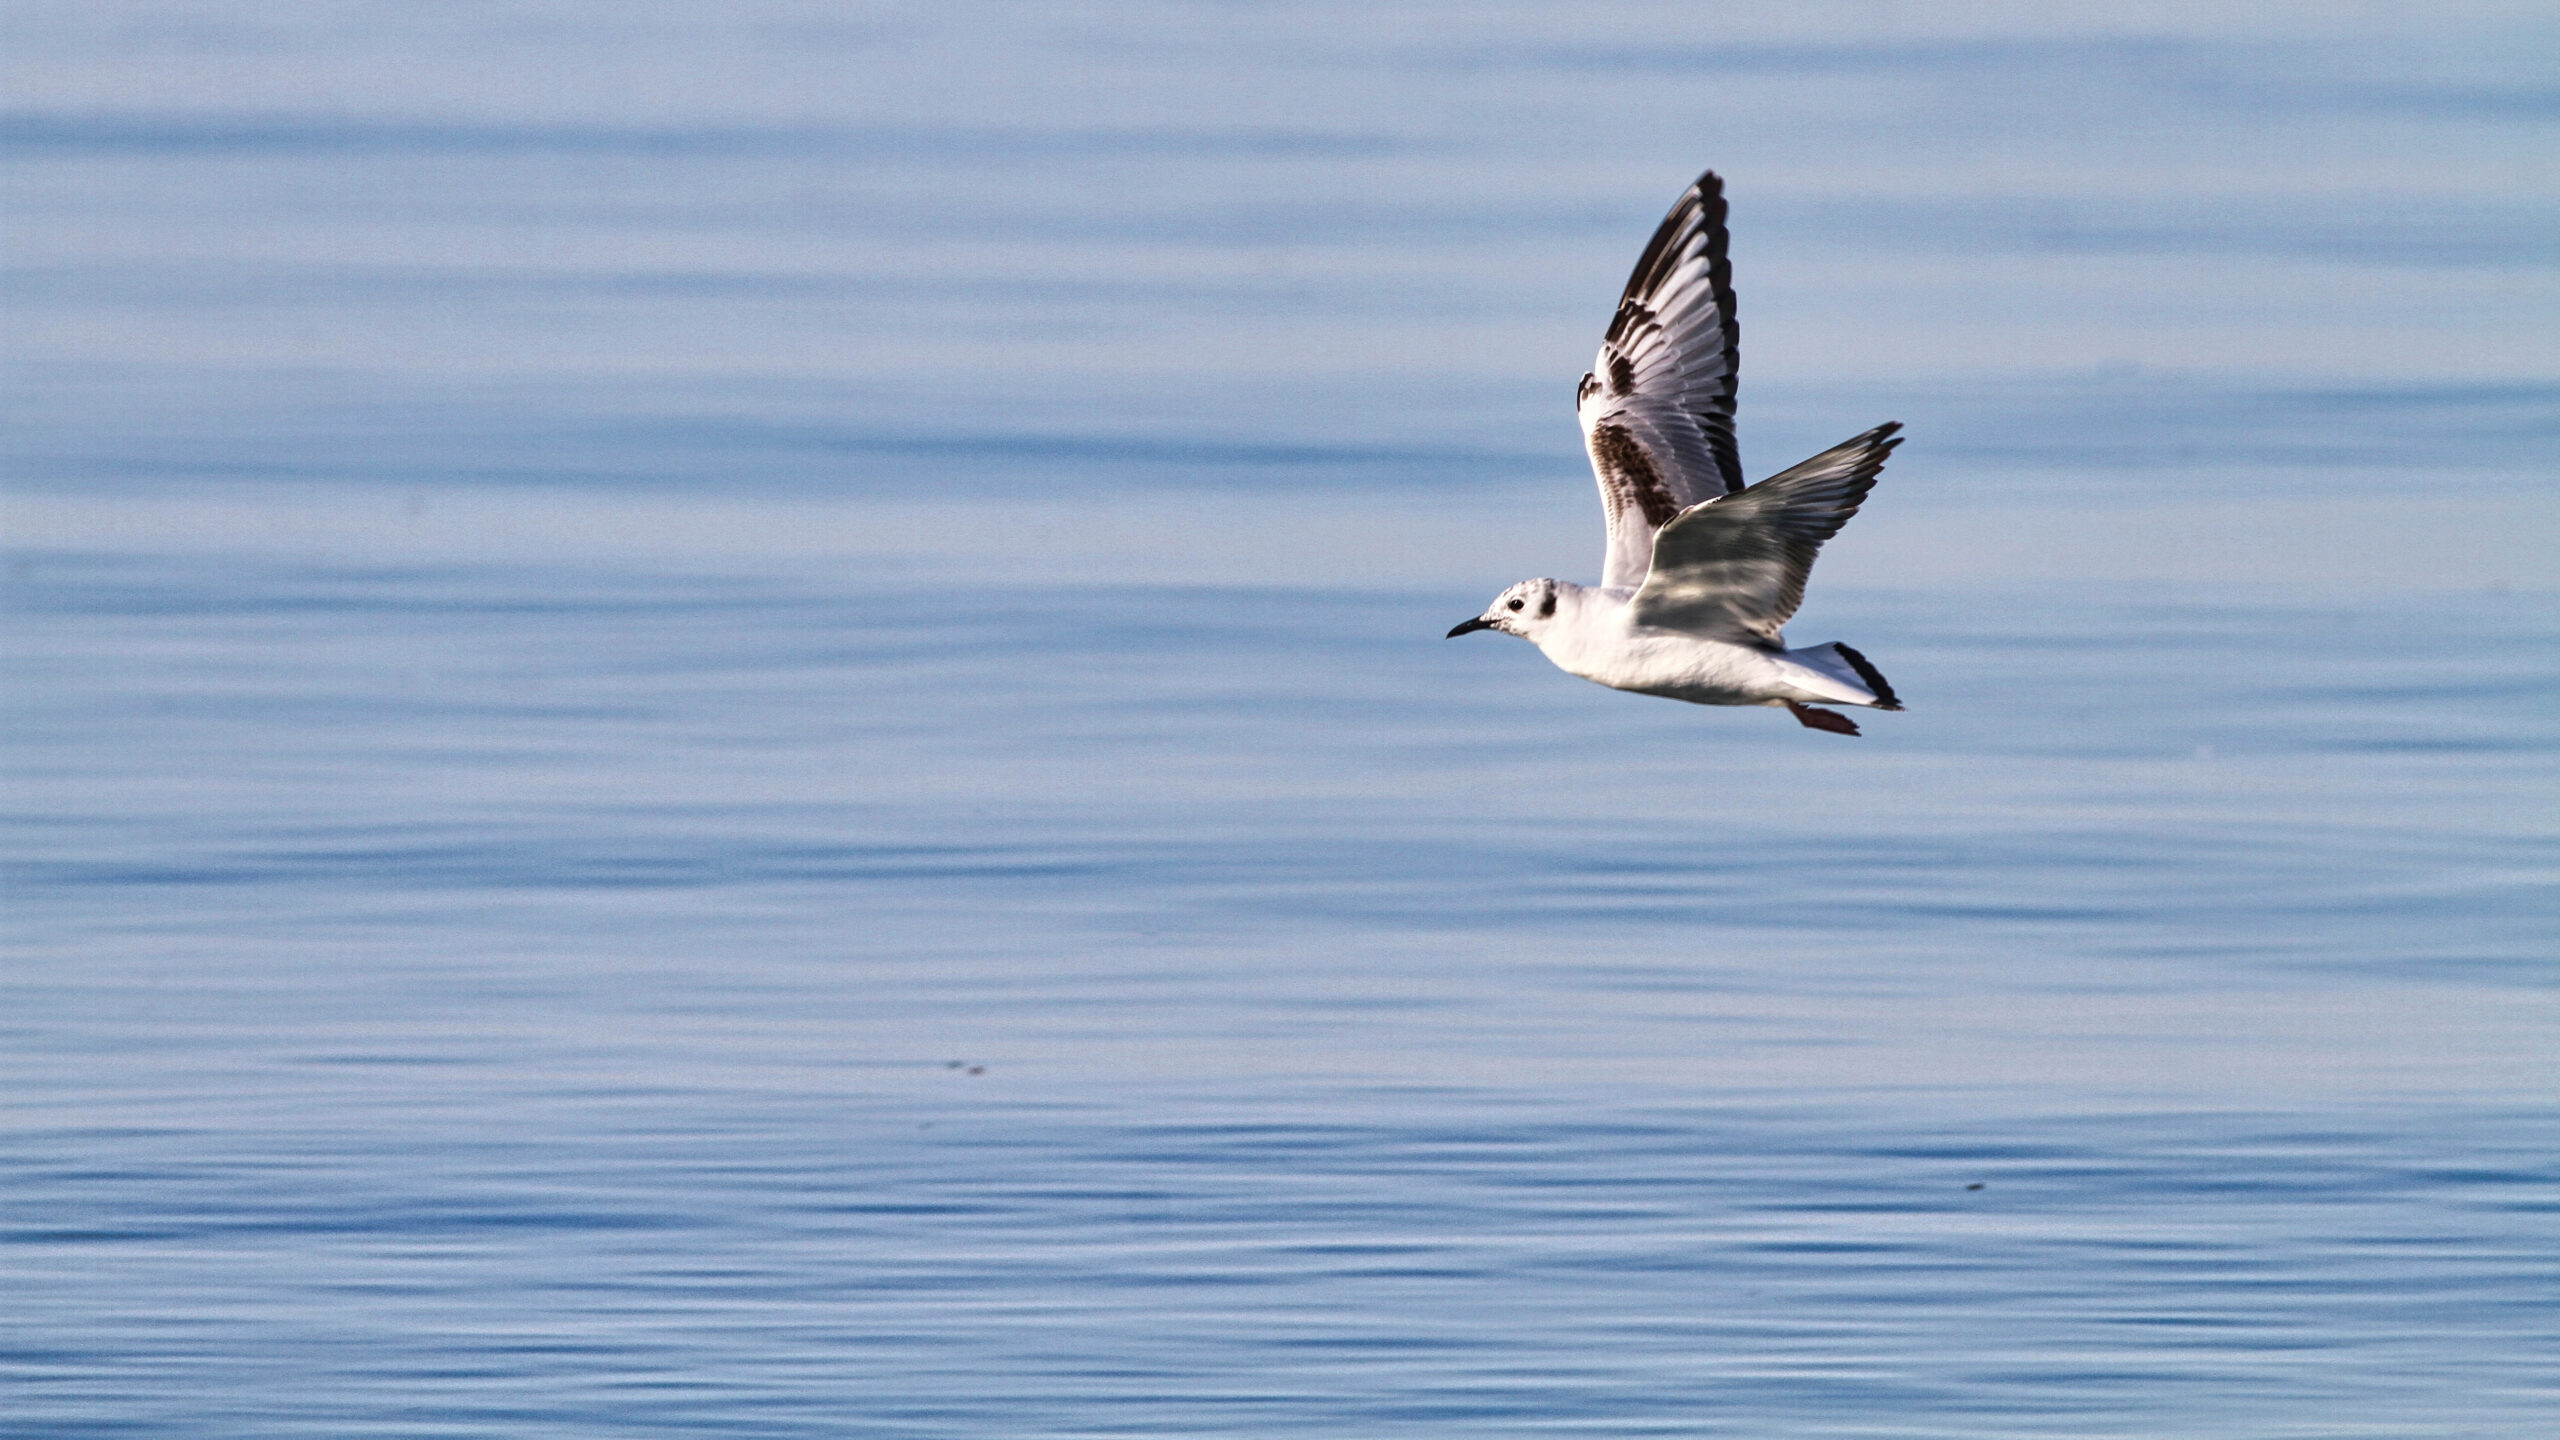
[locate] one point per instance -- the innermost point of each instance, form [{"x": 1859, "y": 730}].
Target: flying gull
[{"x": 1702, "y": 571}]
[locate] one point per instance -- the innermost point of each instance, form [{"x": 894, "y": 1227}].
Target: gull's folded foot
[{"x": 1815, "y": 718}]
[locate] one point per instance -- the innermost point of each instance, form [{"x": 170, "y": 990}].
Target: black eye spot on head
[
  {"x": 1516, "y": 604},
  {"x": 1547, "y": 607}
]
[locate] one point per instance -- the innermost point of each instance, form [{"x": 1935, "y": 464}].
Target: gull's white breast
[{"x": 1598, "y": 643}]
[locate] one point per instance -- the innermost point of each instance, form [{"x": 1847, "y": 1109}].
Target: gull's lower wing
[
  {"x": 1734, "y": 569},
  {"x": 1657, "y": 407}
]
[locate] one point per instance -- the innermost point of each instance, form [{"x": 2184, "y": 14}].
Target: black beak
[{"x": 1471, "y": 626}]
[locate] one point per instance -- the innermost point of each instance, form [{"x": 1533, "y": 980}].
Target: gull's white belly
[
  {"x": 1704, "y": 672},
  {"x": 1685, "y": 667}
]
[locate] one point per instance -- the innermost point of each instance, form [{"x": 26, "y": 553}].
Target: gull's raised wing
[
  {"x": 1733, "y": 569},
  {"x": 1657, "y": 407}
]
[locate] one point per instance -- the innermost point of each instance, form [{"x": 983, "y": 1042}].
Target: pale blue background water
[{"x": 731, "y": 721}]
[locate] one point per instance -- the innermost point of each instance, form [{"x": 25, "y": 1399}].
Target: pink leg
[{"x": 1813, "y": 718}]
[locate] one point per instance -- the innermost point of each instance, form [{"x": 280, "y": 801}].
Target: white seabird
[{"x": 1702, "y": 572}]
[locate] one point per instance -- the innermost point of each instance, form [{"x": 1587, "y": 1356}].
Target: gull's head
[{"x": 1525, "y": 610}]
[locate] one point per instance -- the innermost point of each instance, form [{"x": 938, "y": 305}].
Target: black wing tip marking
[
  {"x": 1873, "y": 449},
  {"x": 1880, "y": 444},
  {"x": 1802, "y": 524},
  {"x": 1700, "y": 208},
  {"x": 1882, "y": 688}
]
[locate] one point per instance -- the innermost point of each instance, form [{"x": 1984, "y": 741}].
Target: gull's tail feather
[
  {"x": 1843, "y": 675},
  {"x": 1876, "y": 682}
]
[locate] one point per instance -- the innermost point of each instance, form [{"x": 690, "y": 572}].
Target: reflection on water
[{"x": 709, "y": 734}]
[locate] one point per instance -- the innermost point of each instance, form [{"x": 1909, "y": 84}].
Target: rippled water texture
[{"x": 732, "y": 723}]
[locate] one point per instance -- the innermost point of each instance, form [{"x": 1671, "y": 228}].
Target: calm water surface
[{"x": 704, "y": 737}]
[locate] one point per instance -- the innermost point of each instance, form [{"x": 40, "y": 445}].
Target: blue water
[{"x": 733, "y": 724}]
